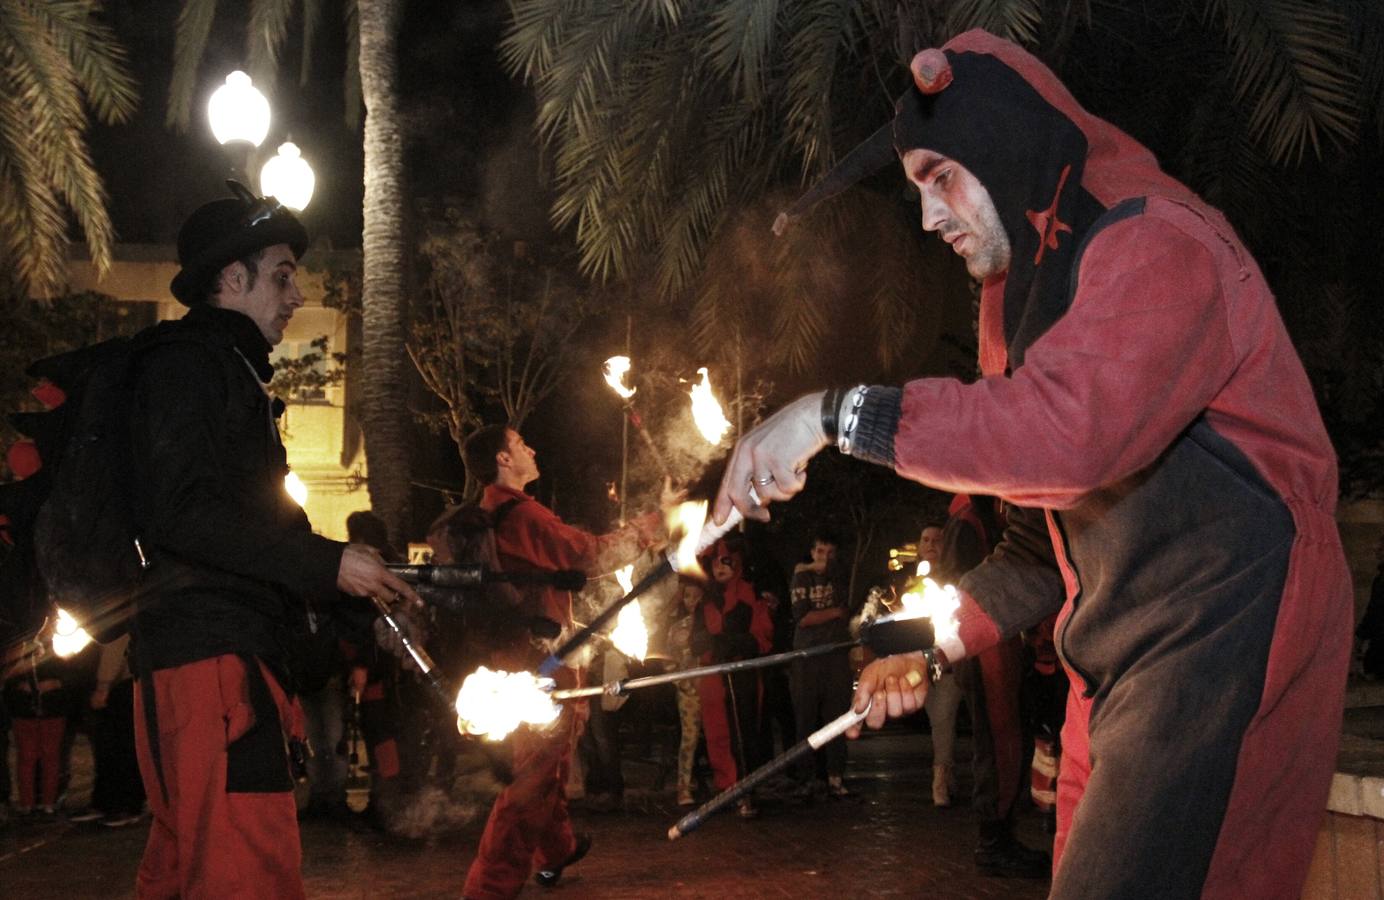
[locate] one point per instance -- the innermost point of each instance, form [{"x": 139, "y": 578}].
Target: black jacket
[{"x": 238, "y": 555}]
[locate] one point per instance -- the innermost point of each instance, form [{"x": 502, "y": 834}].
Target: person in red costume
[
  {"x": 529, "y": 824},
  {"x": 731, "y": 623},
  {"x": 1173, "y": 489}
]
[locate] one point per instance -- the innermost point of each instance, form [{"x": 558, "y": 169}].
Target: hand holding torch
[{"x": 804, "y": 748}]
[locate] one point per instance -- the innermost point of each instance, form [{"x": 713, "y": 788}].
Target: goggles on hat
[{"x": 262, "y": 209}]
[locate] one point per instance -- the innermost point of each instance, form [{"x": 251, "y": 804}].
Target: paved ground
[{"x": 884, "y": 841}]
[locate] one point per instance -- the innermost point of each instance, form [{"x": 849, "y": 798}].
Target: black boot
[
  {"x": 1000, "y": 855},
  {"x": 549, "y": 877}
]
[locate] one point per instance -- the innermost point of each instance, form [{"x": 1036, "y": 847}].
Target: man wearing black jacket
[{"x": 240, "y": 568}]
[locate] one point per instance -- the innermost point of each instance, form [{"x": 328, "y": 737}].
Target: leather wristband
[{"x": 831, "y": 405}]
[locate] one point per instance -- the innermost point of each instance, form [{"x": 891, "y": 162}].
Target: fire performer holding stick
[
  {"x": 529, "y": 824},
  {"x": 1141, "y": 392},
  {"x": 211, "y": 647}
]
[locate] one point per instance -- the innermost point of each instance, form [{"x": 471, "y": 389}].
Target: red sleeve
[
  {"x": 538, "y": 536},
  {"x": 1142, "y": 351},
  {"x": 535, "y": 534}
]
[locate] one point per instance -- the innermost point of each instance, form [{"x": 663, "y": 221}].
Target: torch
[
  {"x": 885, "y": 636},
  {"x": 425, "y": 664},
  {"x": 936, "y": 602},
  {"x": 615, "y": 369},
  {"x": 476, "y": 575},
  {"x": 697, "y": 535}
]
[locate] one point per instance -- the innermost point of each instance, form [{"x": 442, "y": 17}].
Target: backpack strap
[{"x": 497, "y": 515}]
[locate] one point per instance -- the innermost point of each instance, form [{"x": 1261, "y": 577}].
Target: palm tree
[
  {"x": 58, "y": 62},
  {"x": 674, "y": 124},
  {"x": 371, "y": 78}
]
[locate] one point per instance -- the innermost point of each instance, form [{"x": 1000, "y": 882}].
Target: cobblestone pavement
[{"x": 886, "y": 840}]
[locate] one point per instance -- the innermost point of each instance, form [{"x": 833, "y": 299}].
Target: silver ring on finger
[{"x": 765, "y": 481}]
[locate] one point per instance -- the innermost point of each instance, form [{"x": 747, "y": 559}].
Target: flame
[
  {"x": 630, "y": 636},
  {"x": 296, "y": 488},
  {"x": 625, "y": 578},
  {"x": 706, "y": 411},
  {"x": 69, "y": 638},
  {"x": 611, "y": 494},
  {"x": 495, "y": 703},
  {"x": 685, "y": 530},
  {"x": 615, "y": 369},
  {"x": 925, "y": 597}
]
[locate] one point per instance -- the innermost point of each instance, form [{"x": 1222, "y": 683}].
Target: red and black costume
[
  {"x": 212, "y": 647},
  {"x": 529, "y": 825},
  {"x": 1142, "y": 399},
  {"x": 731, "y": 623}
]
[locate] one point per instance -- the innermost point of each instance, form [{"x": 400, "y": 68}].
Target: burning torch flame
[
  {"x": 706, "y": 412},
  {"x": 296, "y": 488},
  {"x": 630, "y": 636},
  {"x": 495, "y": 703},
  {"x": 685, "y": 527},
  {"x": 937, "y": 602},
  {"x": 615, "y": 370},
  {"x": 69, "y": 638}
]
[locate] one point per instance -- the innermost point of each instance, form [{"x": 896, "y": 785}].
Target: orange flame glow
[
  {"x": 685, "y": 529},
  {"x": 630, "y": 635},
  {"x": 69, "y": 638},
  {"x": 493, "y": 704},
  {"x": 706, "y": 411},
  {"x": 938, "y": 602},
  {"x": 615, "y": 369}
]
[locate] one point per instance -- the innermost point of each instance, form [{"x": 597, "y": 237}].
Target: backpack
[
  {"x": 74, "y": 518},
  {"x": 494, "y": 613}
]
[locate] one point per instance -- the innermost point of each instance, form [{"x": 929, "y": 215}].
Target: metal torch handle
[
  {"x": 814, "y": 741},
  {"x": 425, "y": 664}
]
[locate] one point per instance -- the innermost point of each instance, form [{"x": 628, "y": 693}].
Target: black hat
[{"x": 225, "y": 230}]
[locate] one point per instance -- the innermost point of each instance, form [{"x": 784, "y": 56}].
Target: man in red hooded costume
[{"x": 1174, "y": 489}]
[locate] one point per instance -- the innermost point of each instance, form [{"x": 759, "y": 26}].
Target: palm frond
[
  {"x": 264, "y": 37},
  {"x": 97, "y": 58},
  {"x": 189, "y": 44},
  {"x": 1015, "y": 20},
  {"x": 817, "y": 30},
  {"x": 740, "y": 42},
  {"x": 536, "y": 29},
  {"x": 47, "y": 166},
  {"x": 312, "y": 21},
  {"x": 1292, "y": 64}
]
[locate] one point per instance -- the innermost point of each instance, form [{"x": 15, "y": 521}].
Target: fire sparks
[
  {"x": 615, "y": 369},
  {"x": 493, "y": 704},
  {"x": 706, "y": 411},
  {"x": 937, "y": 602},
  {"x": 69, "y": 638},
  {"x": 630, "y": 636}
]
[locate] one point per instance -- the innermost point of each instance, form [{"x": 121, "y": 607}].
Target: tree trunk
[{"x": 383, "y": 301}]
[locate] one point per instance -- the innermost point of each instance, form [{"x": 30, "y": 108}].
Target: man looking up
[
  {"x": 1173, "y": 486},
  {"x": 529, "y": 824},
  {"x": 238, "y": 565}
]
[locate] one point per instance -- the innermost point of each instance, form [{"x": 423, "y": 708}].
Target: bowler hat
[{"x": 222, "y": 231}]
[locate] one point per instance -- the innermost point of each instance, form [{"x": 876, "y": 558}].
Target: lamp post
[
  {"x": 239, "y": 117},
  {"x": 288, "y": 178}
]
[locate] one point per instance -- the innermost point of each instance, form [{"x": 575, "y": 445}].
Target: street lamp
[
  {"x": 288, "y": 178},
  {"x": 239, "y": 116}
]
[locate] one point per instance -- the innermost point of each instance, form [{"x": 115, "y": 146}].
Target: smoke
[{"x": 435, "y": 810}]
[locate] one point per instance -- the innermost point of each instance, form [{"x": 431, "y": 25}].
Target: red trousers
[
  {"x": 528, "y": 824},
  {"x": 207, "y": 841},
  {"x": 38, "y": 747},
  {"x": 716, "y": 727}
]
